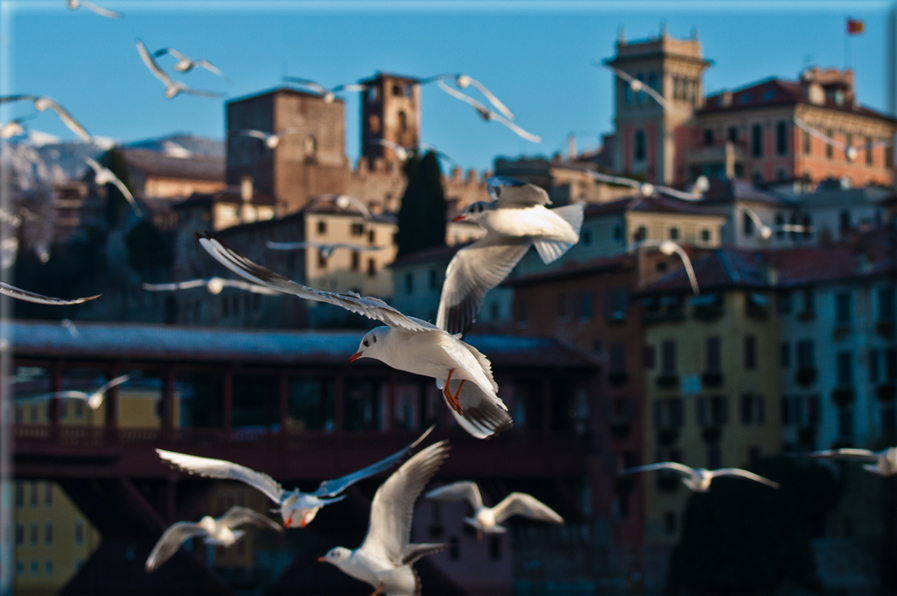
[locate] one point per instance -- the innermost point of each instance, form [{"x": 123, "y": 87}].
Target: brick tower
[{"x": 390, "y": 110}]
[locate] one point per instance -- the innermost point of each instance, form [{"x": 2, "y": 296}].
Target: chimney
[
  {"x": 246, "y": 189},
  {"x": 571, "y": 146}
]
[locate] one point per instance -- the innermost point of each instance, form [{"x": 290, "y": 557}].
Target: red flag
[{"x": 855, "y": 27}]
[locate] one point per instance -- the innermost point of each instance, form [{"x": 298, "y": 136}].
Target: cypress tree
[{"x": 422, "y": 214}]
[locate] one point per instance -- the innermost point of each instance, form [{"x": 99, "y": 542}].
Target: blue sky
[{"x": 535, "y": 56}]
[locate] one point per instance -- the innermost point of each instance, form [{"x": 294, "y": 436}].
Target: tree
[
  {"x": 148, "y": 248},
  {"x": 116, "y": 203},
  {"x": 422, "y": 214}
]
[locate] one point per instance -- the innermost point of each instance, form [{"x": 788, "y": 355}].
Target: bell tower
[{"x": 390, "y": 110}]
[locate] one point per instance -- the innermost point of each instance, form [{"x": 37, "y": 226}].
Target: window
[
  {"x": 668, "y": 357},
  {"x": 714, "y": 457},
  {"x": 20, "y": 568},
  {"x": 372, "y": 269},
  {"x": 674, "y": 233},
  {"x": 649, "y": 357},
  {"x": 719, "y": 410},
  {"x": 587, "y": 237},
  {"x": 757, "y": 140},
  {"x": 617, "y": 357},
  {"x": 870, "y": 160},
  {"x": 640, "y": 96},
  {"x": 521, "y": 312},
  {"x": 48, "y": 533},
  {"x": 20, "y": 493},
  {"x": 705, "y": 235},
  {"x": 34, "y": 569},
  {"x": 652, "y": 80},
  {"x": 357, "y": 229},
  {"x": 886, "y": 305},
  {"x": 33, "y": 534},
  {"x": 809, "y": 306},
  {"x": 844, "y": 222},
  {"x": 845, "y": 369},
  {"x": 814, "y": 410},
  {"x": 750, "y": 352},
  {"x": 433, "y": 279},
  {"x": 322, "y": 227},
  {"x": 829, "y": 149},
  {"x": 627, "y": 92},
  {"x": 48, "y": 494},
  {"x": 403, "y": 122},
  {"x": 397, "y": 90},
  {"x": 618, "y": 233},
  {"x": 874, "y": 368},
  {"x": 747, "y": 225},
  {"x": 32, "y": 497},
  {"x": 641, "y": 233},
  {"x": 781, "y": 137},
  {"x": 785, "y": 354},
  {"x": 842, "y": 308},
  {"x": 669, "y": 522},
  {"x": 845, "y": 422},
  {"x": 373, "y": 94},
  {"x": 805, "y": 354},
  {"x": 807, "y": 146},
  {"x": 584, "y": 306},
  {"x": 374, "y": 123},
  {"x": 783, "y": 302},
  {"x": 48, "y": 568},
  {"x": 356, "y": 260},
  {"x": 639, "y": 146},
  {"x": 733, "y": 134},
  {"x": 616, "y": 303},
  {"x": 20, "y": 534},
  {"x": 708, "y": 137},
  {"x": 409, "y": 282},
  {"x": 454, "y": 549},
  {"x": 669, "y": 413},
  {"x": 752, "y": 409},
  {"x": 713, "y": 354},
  {"x": 757, "y": 178}
]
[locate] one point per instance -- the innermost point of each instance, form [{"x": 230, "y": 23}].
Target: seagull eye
[
  {"x": 375, "y": 339},
  {"x": 365, "y": 343}
]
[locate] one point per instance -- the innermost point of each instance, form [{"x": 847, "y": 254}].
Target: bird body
[
  {"x": 172, "y": 88},
  {"x": 883, "y": 463},
  {"x": 94, "y": 399},
  {"x": 700, "y": 479},
  {"x": 535, "y": 222},
  {"x": 185, "y": 64}
]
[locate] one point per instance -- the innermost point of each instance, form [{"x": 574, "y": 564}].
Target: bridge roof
[{"x": 169, "y": 343}]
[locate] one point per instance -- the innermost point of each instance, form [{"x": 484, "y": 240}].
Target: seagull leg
[
  {"x": 379, "y": 589},
  {"x": 453, "y": 399},
  {"x": 479, "y": 534}
]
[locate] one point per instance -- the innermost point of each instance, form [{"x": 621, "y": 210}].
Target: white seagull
[
  {"x": 699, "y": 479},
  {"x": 218, "y": 532},
  {"x": 403, "y": 153},
  {"x": 172, "y": 88},
  {"x": 94, "y": 400},
  {"x": 12, "y": 128},
  {"x": 103, "y": 175},
  {"x": 103, "y": 12},
  {"x": 406, "y": 343},
  {"x": 765, "y": 230},
  {"x": 270, "y": 140},
  {"x": 185, "y": 64},
  {"x": 385, "y": 558},
  {"x": 514, "y": 220},
  {"x": 43, "y": 103},
  {"x": 670, "y": 248},
  {"x": 344, "y": 202},
  {"x": 19, "y": 294},
  {"x": 646, "y": 189},
  {"x": 883, "y": 463},
  {"x": 325, "y": 248},
  {"x": 850, "y": 151},
  {"x": 328, "y": 95},
  {"x": 487, "y": 114},
  {"x": 213, "y": 285},
  {"x": 464, "y": 81},
  {"x": 295, "y": 507},
  {"x": 487, "y": 520},
  {"x": 637, "y": 85}
]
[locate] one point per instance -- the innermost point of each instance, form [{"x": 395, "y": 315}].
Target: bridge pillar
[
  {"x": 168, "y": 396},
  {"x": 228, "y": 405},
  {"x": 111, "y": 400}
]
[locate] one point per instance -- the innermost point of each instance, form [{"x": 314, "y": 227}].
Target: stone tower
[{"x": 390, "y": 110}]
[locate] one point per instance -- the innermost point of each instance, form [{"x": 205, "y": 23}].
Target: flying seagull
[
  {"x": 19, "y": 294},
  {"x": 43, "y": 103},
  {"x": 699, "y": 479},
  {"x": 295, "y": 507},
  {"x": 344, "y": 202},
  {"x": 406, "y": 343},
  {"x": 270, "y": 140},
  {"x": 487, "y": 520},
  {"x": 403, "y": 153},
  {"x": 850, "y": 151},
  {"x": 213, "y": 285},
  {"x": 103, "y": 12},
  {"x": 12, "y": 128},
  {"x": 328, "y": 95},
  {"x": 94, "y": 400},
  {"x": 883, "y": 463},
  {"x": 325, "y": 248},
  {"x": 217, "y": 532},
  {"x": 514, "y": 220},
  {"x": 185, "y": 64},
  {"x": 637, "y": 85},
  {"x": 172, "y": 88},
  {"x": 646, "y": 189},
  {"x": 464, "y": 81},
  {"x": 385, "y": 558},
  {"x": 103, "y": 175},
  {"x": 487, "y": 114},
  {"x": 765, "y": 230},
  {"x": 670, "y": 248}
]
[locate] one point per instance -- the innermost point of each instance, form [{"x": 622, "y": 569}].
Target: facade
[
  {"x": 160, "y": 175},
  {"x": 390, "y": 111}
]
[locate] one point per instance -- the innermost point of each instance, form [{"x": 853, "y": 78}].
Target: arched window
[{"x": 403, "y": 122}]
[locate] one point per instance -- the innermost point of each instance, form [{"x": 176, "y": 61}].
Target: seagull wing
[
  {"x": 291, "y": 245},
  {"x": 349, "y": 88},
  {"x": 67, "y": 119},
  {"x": 668, "y": 465},
  {"x": 620, "y": 73},
  {"x": 743, "y": 474},
  {"x": 393, "y": 505},
  {"x": 114, "y": 383},
  {"x": 11, "y": 98},
  {"x": 658, "y": 97},
  {"x": 678, "y": 194},
  {"x": 257, "y": 134},
  {"x": 819, "y": 134},
  {"x": 386, "y": 143},
  {"x": 127, "y": 193},
  {"x": 373, "y": 308},
  {"x": 493, "y": 100},
  {"x": 248, "y": 287},
  {"x": 458, "y": 491},
  {"x": 218, "y": 468},
  {"x": 484, "y": 415},
  {"x": 330, "y": 488},
  {"x": 514, "y": 193},
  {"x": 519, "y": 131},
  {"x": 103, "y": 12},
  {"x": 181, "y": 285},
  {"x": 472, "y": 272},
  {"x": 462, "y": 96},
  {"x": 614, "y": 179},
  {"x": 19, "y": 294},
  {"x": 171, "y": 541},
  {"x": 689, "y": 270},
  {"x": 151, "y": 64},
  {"x": 527, "y": 506},
  {"x": 307, "y": 83},
  {"x": 436, "y": 78},
  {"x": 210, "y": 67},
  {"x": 239, "y": 516},
  {"x": 171, "y": 51},
  {"x": 863, "y": 455},
  {"x": 199, "y": 93},
  {"x": 57, "y": 395}
]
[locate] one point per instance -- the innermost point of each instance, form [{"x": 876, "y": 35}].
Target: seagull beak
[
  {"x": 461, "y": 217},
  {"x": 355, "y": 357},
  {"x": 322, "y": 560}
]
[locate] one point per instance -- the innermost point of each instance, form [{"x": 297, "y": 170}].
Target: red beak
[
  {"x": 355, "y": 357},
  {"x": 322, "y": 560},
  {"x": 461, "y": 217}
]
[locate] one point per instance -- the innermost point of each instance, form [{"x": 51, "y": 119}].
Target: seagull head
[
  {"x": 95, "y": 400},
  {"x": 208, "y": 524},
  {"x": 371, "y": 344},
  {"x": 42, "y": 103},
  {"x": 272, "y": 141},
  {"x": 336, "y": 556},
  {"x": 463, "y": 81},
  {"x": 328, "y": 97},
  {"x": 475, "y": 211},
  {"x": 668, "y": 247},
  {"x": 215, "y": 285},
  {"x": 636, "y": 85},
  {"x": 171, "y": 91},
  {"x": 766, "y": 232},
  {"x": 851, "y": 153},
  {"x": 646, "y": 189}
]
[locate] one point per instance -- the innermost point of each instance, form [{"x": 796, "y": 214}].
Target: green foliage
[
  {"x": 148, "y": 249},
  {"x": 116, "y": 203},
  {"x": 422, "y": 214},
  {"x": 742, "y": 537}
]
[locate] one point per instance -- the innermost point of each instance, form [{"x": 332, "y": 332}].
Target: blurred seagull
[
  {"x": 103, "y": 176},
  {"x": 69, "y": 326},
  {"x": 326, "y": 249},
  {"x": 646, "y": 189},
  {"x": 669, "y": 248},
  {"x": 514, "y": 220},
  {"x": 185, "y": 64},
  {"x": 344, "y": 202},
  {"x": 19, "y": 294},
  {"x": 172, "y": 88},
  {"x": 295, "y": 507},
  {"x": 217, "y": 532},
  {"x": 487, "y": 520},
  {"x": 13, "y": 128},
  {"x": 213, "y": 285},
  {"x": 403, "y": 153},
  {"x": 487, "y": 114},
  {"x": 406, "y": 343},
  {"x": 883, "y": 463},
  {"x": 637, "y": 85},
  {"x": 328, "y": 95},
  {"x": 765, "y": 230},
  {"x": 385, "y": 558},
  {"x": 94, "y": 400},
  {"x": 42, "y": 103},
  {"x": 270, "y": 140},
  {"x": 699, "y": 479},
  {"x": 464, "y": 81},
  {"x": 103, "y": 12},
  {"x": 850, "y": 151}
]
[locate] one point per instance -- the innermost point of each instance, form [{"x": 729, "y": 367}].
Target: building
[{"x": 390, "y": 111}]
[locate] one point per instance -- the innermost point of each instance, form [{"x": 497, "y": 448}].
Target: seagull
[
  {"x": 13, "y": 128},
  {"x": 514, "y": 220},
  {"x": 344, "y": 202},
  {"x": 328, "y": 95},
  {"x": 326, "y": 249},
  {"x": 271, "y": 140},
  {"x": 385, "y": 558},
  {"x": 213, "y": 285},
  {"x": 669, "y": 248},
  {"x": 406, "y": 343},
  {"x": 883, "y": 463},
  {"x": 487, "y": 114},
  {"x": 850, "y": 151},
  {"x": 295, "y": 507},
  {"x": 94, "y": 400},
  {"x": 69, "y": 326},
  {"x": 637, "y": 85},
  {"x": 103, "y": 175},
  {"x": 699, "y": 479},
  {"x": 185, "y": 64},
  {"x": 403, "y": 153},
  {"x": 646, "y": 189},
  {"x": 172, "y": 88},
  {"x": 765, "y": 230},
  {"x": 218, "y": 532},
  {"x": 464, "y": 81},
  {"x": 19, "y": 294},
  {"x": 103, "y": 12},
  {"x": 486, "y": 520},
  {"x": 42, "y": 103}
]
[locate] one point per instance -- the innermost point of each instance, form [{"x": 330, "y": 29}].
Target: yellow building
[{"x": 711, "y": 378}]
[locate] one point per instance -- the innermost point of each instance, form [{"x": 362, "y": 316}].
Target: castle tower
[
  {"x": 646, "y": 134},
  {"x": 390, "y": 110}
]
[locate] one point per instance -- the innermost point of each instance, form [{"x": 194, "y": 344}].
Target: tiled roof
[
  {"x": 196, "y": 167},
  {"x": 574, "y": 269},
  {"x": 729, "y": 190},
  {"x": 230, "y": 194},
  {"x": 437, "y": 254},
  {"x": 653, "y": 204}
]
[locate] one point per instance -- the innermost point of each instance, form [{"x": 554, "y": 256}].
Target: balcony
[{"x": 726, "y": 154}]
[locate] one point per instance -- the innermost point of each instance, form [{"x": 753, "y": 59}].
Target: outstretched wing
[
  {"x": 527, "y": 506},
  {"x": 179, "y": 285},
  {"x": 501, "y": 107},
  {"x": 170, "y": 542},
  {"x": 151, "y": 64},
  {"x": 19, "y": 294},
  {"x": 373, "y": 308},
  {"x": 199, "y": 93},
  {"x": 484, "y": 415},
  {"x": 292, "y": 245},
  {"x": 67, "y": 119},
  {"x": 103, "y": 12},
  {"x": 458, "y": 491},
  {"x": 329, "y": 488},
  {"x": 516, "y": 129},
  {"x": 509, "y": 192},
  {"x": 743, "y": 474},
  {"x": 863, "y": 455},
  {"x": 248, "y": 287},
  {"x": 115, "y": 383},
  {"x": 239, "y": 516},
  {"x": 307, "y": 83},
  {"x": 219, "y": 468},
  {"x": 669, "y": 465},
  {"x": 127, "y": 193}
]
